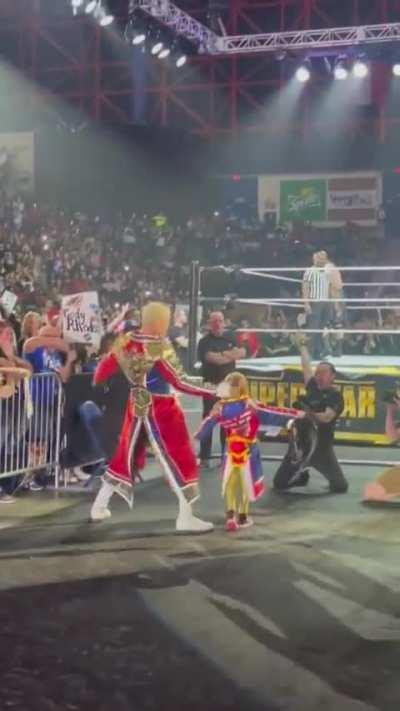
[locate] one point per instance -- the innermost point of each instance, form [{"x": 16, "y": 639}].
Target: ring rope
[
  {"x": 267, "y": 302},
  {"x": 380, "y": 332},
  {"x": 345, "y": 284},
  {"x": 327, "y": 301},
  {"x": 283, "y": 304},
  {"x": 368, "y": 308},
  {"x": 281, "y": 278},
  {"x": 371, "y": 283},
  {"x": 261, "y": 271},
  {"x": 300, "y": 304}
]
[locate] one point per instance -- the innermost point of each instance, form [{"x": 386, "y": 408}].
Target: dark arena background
[{"x": 231, "y": 156}]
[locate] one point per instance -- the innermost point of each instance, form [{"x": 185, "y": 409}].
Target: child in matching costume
[{"x": 241, "y": 418}]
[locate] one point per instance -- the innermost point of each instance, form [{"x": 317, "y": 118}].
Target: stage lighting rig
[
  {"x": 360, "y": 69},
  {"x": 340, "y": 71},
  {"x": 303, "y": 72},
  {"x": 76, "y": 6},
  {"x": 97, "y": 10}
]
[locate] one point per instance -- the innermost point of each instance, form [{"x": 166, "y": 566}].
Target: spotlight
[
  {"x": 91, "y": 6},
  {"x": 76, "y": 4},
  {"x": 138, "y": 38},
  {"x": 102, "y": 16},
  {"x": 156, "y": 48},
  {"x": 303, "y": 73},
  {"x": 95, "y": 8},
  {"x": 181, "y": 61},
  {"x": 165, "y": 52},
  {"x": 106, "y": 19},
  {"x": 360, "y": 69},
  {"x": 396, "y": 69},
  {"x": 340, "y": 72},
  {"x": 135, "y": 31},
  {"x": 182, "y": 49}
]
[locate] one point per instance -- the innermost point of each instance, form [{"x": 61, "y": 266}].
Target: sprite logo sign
[{"x": 303, "y": 200}]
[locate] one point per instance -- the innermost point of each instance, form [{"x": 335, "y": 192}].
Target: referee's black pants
[
  {"x": 323, "y": 460},
  {"x": 206, "y": 443},
  {"x": 318, "y": 318}
]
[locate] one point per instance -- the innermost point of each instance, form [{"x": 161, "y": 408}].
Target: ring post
[{"x": 193, "y": 312}]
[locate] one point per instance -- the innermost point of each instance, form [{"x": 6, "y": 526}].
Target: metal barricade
[{"x": 30, "y": 427}]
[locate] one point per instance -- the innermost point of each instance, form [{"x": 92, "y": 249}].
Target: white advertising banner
[{"x": 352, "y": 200}]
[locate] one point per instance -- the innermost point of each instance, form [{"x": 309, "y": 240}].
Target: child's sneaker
[
  {"x": 230, "y": 524},
  {"x": 245, "y": 521}
]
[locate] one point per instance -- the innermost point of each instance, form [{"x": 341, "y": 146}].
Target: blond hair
[
  {"x": 156, "y": 314},
  {"x": 27, "y": 324},
  {"x": 238, "y": 383}
]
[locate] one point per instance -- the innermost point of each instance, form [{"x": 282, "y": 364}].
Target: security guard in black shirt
[
  {"x": 323, "y": 404},
  {"x": 217, "y": 352}
]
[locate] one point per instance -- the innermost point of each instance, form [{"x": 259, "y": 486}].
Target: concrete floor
[{"x": 301, "y": 612}]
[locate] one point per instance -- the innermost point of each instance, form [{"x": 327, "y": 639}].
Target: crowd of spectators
[{"x": 47, "y": 252}]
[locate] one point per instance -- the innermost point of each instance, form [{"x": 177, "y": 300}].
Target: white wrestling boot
[
  {"x": 100, "y": 510},
  {"x": 187, "y": 522}
]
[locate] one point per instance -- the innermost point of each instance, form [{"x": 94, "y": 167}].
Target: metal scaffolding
[
  {"x": 336, "y": 37},
  {"x": 221, "y": 92},
  {"x": 180, "y": 22}
]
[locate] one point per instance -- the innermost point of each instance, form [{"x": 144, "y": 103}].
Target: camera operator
[
  {"x": 387, "y": 486},
  {"x": 323, "y": 405}
]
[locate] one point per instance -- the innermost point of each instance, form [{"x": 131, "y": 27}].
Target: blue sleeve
[
  {"x": 35, "y": 359},
  {"x": 273, "y": 419},
  {"x": 206, "y": 428}
]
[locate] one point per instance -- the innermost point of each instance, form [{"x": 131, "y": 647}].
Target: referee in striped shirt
[{"x": 315, "y": 291}]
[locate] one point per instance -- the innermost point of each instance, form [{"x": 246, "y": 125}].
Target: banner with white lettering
[
  {"x": 81, "y": 318},
  {"x": 353, "y": 198},
  {"x": 325, "y": 199},
  {"x": 363, "y": 417}
]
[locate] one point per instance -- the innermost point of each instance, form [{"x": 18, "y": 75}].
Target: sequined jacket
[{"x": 149, "y": 362}]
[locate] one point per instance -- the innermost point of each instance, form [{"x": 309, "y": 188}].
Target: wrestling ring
[{"x": 278, "y": 380}]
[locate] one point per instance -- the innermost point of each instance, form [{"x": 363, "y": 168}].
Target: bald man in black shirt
[
  {"x": 217, "y": 352},
  {"x": 324, "y": 405}
]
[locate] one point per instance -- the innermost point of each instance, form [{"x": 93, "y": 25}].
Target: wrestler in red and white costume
[{"x": 152, "y": 415}]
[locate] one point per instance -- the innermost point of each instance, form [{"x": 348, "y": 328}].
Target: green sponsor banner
[{"x": 303, "y": 200}]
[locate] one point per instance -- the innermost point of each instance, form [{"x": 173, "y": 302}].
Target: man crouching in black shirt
[{"x": 323, "y": 404}]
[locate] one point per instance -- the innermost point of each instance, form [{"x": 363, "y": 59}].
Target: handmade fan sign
[{"x": 81, "y": 318}]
